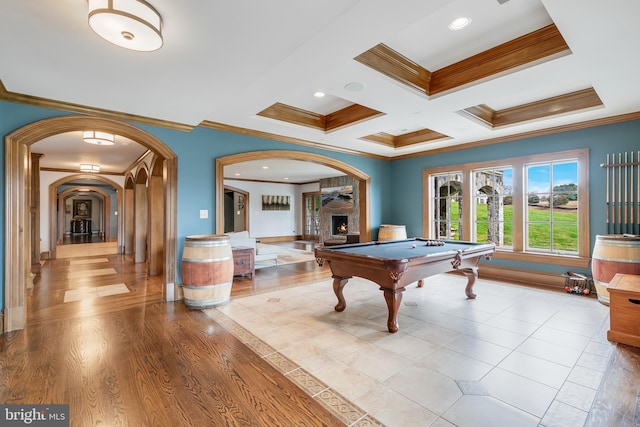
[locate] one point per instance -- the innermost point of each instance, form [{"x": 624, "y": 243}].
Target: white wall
[
  {"x": 273, "y": 223},
  {"x": 46, "y": 179}
]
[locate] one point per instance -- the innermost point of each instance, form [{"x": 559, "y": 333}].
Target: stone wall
[{"x": 341, "y": 202}]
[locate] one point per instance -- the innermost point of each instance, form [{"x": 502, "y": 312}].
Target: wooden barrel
[
  {"x": 392, "y": 232},
  {"x": 613, "y": 253},
  {"x": 207, "y": 270}
]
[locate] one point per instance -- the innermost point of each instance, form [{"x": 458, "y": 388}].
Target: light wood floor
[{"x": 135, "y": 360}]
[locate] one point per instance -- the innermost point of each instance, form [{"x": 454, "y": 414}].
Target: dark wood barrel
[
  {"x": 207, "y": 270},
  {"x": 613, "y": 253}
]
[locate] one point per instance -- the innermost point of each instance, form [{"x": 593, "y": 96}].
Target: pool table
[{"x": 396, "y": 264}]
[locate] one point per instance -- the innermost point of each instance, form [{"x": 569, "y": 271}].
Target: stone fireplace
[{"x": 333, "y": 216}]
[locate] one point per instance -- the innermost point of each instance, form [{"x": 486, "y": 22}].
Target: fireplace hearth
[{"x": 339, "y": 225}]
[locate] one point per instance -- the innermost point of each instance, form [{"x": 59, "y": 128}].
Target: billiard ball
[{"x": 413, "y": 246}]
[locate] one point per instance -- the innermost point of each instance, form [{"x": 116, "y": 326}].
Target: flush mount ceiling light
[
  {"x": 132, "y": 24},
  {"x": 89, "y": 168},
  {"x": 98, "y": 138},
  {"x": 459, "y": 23}
]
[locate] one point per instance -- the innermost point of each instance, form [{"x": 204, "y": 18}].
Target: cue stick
[
  {"x": 626, "y": 179},
  {"x": 619, "y": 218},
  {"x": 613, "y": 193},
  {"x": 631, "y": 196},
  {"x": 638, "y": 192},
  {"x": 606, "y": 169}
]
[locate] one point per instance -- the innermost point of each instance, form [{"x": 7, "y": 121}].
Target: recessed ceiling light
[
  {"x": 286, "y": 179},
  {"x": 265, "y": 167},
  {"x": 237, "y": 174},
  {"x": 318, "y": 94},
  {"x": 354, "y": 86},
  {"x": 459, "y": 23}
]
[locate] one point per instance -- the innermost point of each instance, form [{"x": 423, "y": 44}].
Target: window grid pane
[
  {"x": 447, "y": 205},
  {"x": 552, "y": 207},
  {"x": 493, "y": 198}
]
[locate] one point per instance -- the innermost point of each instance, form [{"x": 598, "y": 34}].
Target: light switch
[{"x": 204, "y": 213}]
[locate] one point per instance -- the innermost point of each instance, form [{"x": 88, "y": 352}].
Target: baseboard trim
[
  {"x": 537, "y": 279},
  {"x": 276, "y": 239}
]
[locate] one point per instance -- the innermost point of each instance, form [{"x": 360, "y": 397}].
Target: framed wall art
[
  {"x": 275, "y": 203},
  {"x": 82, "y": 208},
  {"x": 337, "y": 199}
]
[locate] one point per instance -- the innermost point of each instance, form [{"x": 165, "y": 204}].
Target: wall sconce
[
  {"x": 240, "y": 204},
  {"x": 89, "y": 168}
]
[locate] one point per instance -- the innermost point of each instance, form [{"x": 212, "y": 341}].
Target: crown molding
[
  {"x": 282, "y": 138},
  {"x": 531, "y": 134},
  {"x": 59, "y": 105},
  {"x": 92, "y": 111}
]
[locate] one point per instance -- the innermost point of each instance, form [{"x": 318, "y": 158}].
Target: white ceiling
[{"x": 224, "y": 62}]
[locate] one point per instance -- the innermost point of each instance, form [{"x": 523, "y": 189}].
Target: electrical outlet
[{"x": 204, "y": 213}]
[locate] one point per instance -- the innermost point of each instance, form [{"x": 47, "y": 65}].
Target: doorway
[
  {"x": 363, "y": 180},
  {"x": 311, "y": 216},
  {"x": 18, "y": 182},
  {"x": 236, "y": 208}
]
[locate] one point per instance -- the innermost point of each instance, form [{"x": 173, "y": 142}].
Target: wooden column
[{"x": 34, "y": 212}]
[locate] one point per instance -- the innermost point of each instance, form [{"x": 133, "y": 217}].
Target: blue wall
[
  {"x": 197, "y": 152},
  {"x": 406, "y": 175}
]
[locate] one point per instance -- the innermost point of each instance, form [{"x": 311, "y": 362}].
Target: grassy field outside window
[{"x": 533, "y": 206}]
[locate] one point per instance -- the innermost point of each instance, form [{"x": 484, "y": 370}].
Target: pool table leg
[
  {"x": 393, "y": 299},
  {"x": 472, "y": 275},
  {"x": 338, "y": 285}
]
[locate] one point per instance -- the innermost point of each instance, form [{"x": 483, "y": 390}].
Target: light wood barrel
[
  {"x": 207, "y": 270},
  {"x": 613, "y": 253},
  {"x": 392, "y": 232}
]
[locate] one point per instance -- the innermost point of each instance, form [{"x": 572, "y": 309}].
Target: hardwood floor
[{"x": 134, "y": 360}]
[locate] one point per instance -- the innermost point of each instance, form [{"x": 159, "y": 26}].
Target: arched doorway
[
  {"x": 56, "y": 227},
  {"x": 363, "y": 179},
  {"x": 17, "y": 189},
  {"x": 140, "y": 216}
]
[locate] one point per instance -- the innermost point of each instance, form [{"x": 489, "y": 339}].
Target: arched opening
[
  {"x": 141, "y": 217},
  {"x": 18, "y": 184},
  {"x": 56, "y": 207},
  {"x": 364, "y": 181}
]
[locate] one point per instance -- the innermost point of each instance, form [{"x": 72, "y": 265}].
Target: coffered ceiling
[{"x": 397, "y": 81}]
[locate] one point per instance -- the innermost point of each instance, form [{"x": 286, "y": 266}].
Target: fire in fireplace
[{"x": 339, "y": 224}]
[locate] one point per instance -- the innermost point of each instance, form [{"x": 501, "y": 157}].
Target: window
[
  {"x": 447, "y": 205},
  {"x": 493, "y": 206},
  {"x": 533, "y": 208},
  {"x": 552, "y": 207}
]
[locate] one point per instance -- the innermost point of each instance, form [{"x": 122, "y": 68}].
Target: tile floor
[{"x": 515, "y": 356}]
